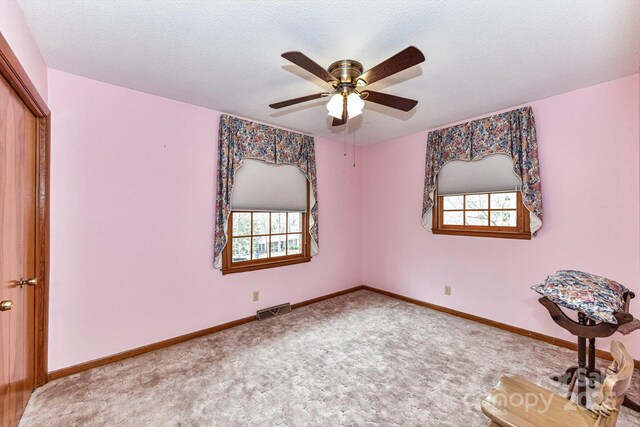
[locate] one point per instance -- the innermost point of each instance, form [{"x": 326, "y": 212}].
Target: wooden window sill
[
  {"x": 270, "y": 263},
  {"x": 482, "y": 233}
]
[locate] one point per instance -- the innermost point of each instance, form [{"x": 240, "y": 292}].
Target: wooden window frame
[
  {"x": 520, "y": 231},
  {"x": 228, "y": 266}
]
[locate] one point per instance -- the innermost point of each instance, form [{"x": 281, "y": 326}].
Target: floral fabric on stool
[{"x": 595, "y": 296}]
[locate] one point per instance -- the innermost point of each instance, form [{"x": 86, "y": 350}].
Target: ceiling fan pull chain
[
  {"x": 354, "y": 148},
  {"x": 346, "y": 128}
]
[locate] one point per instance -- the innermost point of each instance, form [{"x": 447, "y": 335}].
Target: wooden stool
[
  {"x": 578, "y": 376},
  {"x": 516, "y": 402}
]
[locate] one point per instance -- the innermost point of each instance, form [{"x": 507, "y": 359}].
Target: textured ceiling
[{"x": 481, "y": 56}]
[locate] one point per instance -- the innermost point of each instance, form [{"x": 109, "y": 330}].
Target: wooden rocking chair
[{"x": 516, "y": 402}]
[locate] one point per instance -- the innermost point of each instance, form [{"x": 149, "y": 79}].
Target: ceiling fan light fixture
[
  {"x": 334, "y": 106},
  {"x": 346, "y": 77},
  {"x": 355, "y": 104}
]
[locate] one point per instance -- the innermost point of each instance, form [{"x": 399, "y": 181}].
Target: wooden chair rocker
[{"x": 516, "y": 402}]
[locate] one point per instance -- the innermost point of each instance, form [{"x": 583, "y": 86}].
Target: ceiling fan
[{"x": 347, "y": 78}]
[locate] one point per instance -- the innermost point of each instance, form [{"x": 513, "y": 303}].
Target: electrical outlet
[
  {"x": 256, "y": 295},
  {"x": 447, "y": 290}
]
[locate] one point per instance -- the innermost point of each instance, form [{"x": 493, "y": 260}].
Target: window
[
  {"x": 495, "y": 214},
  {"x": 480, "y": 198},
  {"x": 265, "y": 239},
  {"x": 269, "y": 222}
]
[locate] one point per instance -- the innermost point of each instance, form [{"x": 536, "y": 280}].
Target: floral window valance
[
  {"x": 241, "y": 139},
  {"x": 512, "y": 133}
]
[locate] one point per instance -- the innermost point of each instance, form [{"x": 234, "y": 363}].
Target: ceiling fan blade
[
  {"x": 303, "y": 61},
  {"x": 393, "y": 101},
  {"x": 298, "y": 100},
  {"x": 337, "y": 122},
  {"x": 400, "y": 61}
]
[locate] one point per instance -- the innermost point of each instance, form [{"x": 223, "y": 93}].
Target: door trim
[{"x": 17, "y": 77}]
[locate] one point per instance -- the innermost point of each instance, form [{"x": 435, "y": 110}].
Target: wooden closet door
[{"x": 17, "y": 254}]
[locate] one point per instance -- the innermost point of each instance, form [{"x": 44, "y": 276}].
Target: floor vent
[{"x": 274, "y": 311}]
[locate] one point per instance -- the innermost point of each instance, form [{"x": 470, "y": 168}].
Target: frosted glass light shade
[
  {"x": 355, "y": 104},
  {"x": 334, "y": 106}
]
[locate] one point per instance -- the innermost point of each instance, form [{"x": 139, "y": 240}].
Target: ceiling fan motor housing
[{"x": 347, "y": 71}]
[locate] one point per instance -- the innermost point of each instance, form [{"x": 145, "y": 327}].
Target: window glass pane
[
  {"x": 260, "y": 223},
  {"x": 241, "y": 224},
  {"x": 240, "y": 250},
  {"x": 295, "y": 221},
  {"x": 260, "y": 247},
  {"x": 477, "y": 218},
  {"x": 278, "y": 245},
  {"x": 452, "y": 218},
  {"x": 503, "y": 201},
  {"x": 477, "y": 201},
  {"x": 278, "y": 222},
  {"x": 295, "y": 243},
  {"x": 453, "y": 202},
  {"x": 503, "y": 218}
]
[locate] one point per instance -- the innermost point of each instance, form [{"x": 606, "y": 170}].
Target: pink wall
[
  {"x": 132, "y": 216},
  {"x": 132, "y": 202},
  {"x": 15, "y": 30},
  {"x": 132, "y": 209},
  {"x": 589, "y": 159}
]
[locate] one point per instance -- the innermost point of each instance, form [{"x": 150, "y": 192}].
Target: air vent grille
[{"x": 274, "y": 311}]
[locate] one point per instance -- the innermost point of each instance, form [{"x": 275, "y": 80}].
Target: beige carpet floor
[{"x": 361, "y": 359}]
